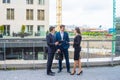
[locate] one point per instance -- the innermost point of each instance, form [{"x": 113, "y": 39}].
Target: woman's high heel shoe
[
  {"x": 80, "y": 72},
  {"x": 73, "y": 73}
]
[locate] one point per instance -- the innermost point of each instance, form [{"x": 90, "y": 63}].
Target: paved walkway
[{"x": 91, "y": 73}]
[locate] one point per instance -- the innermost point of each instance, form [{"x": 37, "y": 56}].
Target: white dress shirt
[{"x": 62, "y": 34}]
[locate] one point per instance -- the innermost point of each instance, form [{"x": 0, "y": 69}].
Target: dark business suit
[
  {"x": 64, "y": 48},
  {"x": 51, "y": 51}
]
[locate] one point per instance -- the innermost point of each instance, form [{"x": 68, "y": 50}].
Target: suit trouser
[
  {"x": 49, "y": 61},
  {"x": 66, "y": 55}
]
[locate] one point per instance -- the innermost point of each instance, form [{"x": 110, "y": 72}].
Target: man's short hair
[
  {"x": 62, "y": 26},
  {"x": 51, "y": 28}
]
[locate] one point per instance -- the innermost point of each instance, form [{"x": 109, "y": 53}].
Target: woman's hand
[{"x": 71, "y": 42}]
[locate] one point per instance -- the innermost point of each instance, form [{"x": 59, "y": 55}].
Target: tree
[
  {"x": 1, "y": 29},
  {"x": 22, "y": 30}
]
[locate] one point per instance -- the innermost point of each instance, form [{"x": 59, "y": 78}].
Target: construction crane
[{"x": 58, "y": 14}]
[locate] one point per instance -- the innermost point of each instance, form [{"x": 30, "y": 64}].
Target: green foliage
[
  {"x": 12, "y": 68},
  {"x": 71, "y": 33},
  {"x": 23, "y": 29},
  {"x": 94, "y": 33},
  {"x": 1, "y": 29}
]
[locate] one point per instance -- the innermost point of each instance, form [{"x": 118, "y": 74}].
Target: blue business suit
[
  {"x": 64, "y": 48},
  {"x": 51, "y": 51}
]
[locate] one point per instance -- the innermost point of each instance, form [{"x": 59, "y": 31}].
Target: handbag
[{"x": 59, "y": 55}]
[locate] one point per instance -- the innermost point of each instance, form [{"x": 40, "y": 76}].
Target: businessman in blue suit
[{"x": 63, "y": 38}]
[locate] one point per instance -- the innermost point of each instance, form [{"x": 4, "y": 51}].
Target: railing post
[
  {"x": 87, "y": 53},
  {"x": 33, "y": 56},
  {"x": 4, "y": 57},
  {"x": 112, "y": 56},
  {"x": 45, "y": 54},
  {"x": 23, "y": 54}
]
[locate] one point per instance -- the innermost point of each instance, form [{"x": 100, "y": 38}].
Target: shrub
[
  {"x": 1, "y": 29},
  {"x": 23, "y": 29}
]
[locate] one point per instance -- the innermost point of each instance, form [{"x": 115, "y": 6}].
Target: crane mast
[{"x": 58, "y": 14}]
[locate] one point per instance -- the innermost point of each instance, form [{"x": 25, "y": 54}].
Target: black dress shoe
[
  {"x": 59, "y": 71},
  {"x": 51, "y": 74},
  {"x": 80, "y": 72},
  {"x": 68, "y": 71}
]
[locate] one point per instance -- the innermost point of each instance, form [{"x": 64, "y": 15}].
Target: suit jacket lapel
[
  {"x": 51, "y": 37},
  {"x": 60, "y": 35},
  {"x": 64, "y": 36}
]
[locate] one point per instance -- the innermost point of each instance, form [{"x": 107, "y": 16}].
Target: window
[
  {"x": 29, "y": 28},
  {"x": 41, "y": 30},
  {"x": 6, "y": 30},
  {"x": 29, "y": 1},
  {"x": 41, "y": 2},
  {"x": 41, "y": 15},
  {"x": 6, "y": 1},
  {"x": 10, "y": 14},
  {"x": 29, "y": 14}
]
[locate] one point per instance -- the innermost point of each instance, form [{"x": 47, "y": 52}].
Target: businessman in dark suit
[
  {"x": 63, "y": 38},
  {"x": 51, "y": 49}
]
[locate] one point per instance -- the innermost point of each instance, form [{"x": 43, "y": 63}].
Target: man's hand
[
  {"x": 58, "y": 50},
  {"x": 56, "y": 43}
]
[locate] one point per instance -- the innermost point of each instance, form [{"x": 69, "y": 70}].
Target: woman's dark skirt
[{"x": 77, "y": 53}]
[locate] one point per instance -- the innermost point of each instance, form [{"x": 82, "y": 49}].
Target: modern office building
[{"x": 34, "y": 14}]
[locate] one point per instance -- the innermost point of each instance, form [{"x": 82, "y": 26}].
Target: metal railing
[{"x": 30, "y": 52}]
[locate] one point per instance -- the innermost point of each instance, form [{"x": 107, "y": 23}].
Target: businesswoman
[{"x": 77, "y": 48}]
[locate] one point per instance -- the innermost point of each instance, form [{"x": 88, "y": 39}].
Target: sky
[{"x": 92, "y": 13}]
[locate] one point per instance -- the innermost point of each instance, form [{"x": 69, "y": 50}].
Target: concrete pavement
[{"x": 91, "y": 73}]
